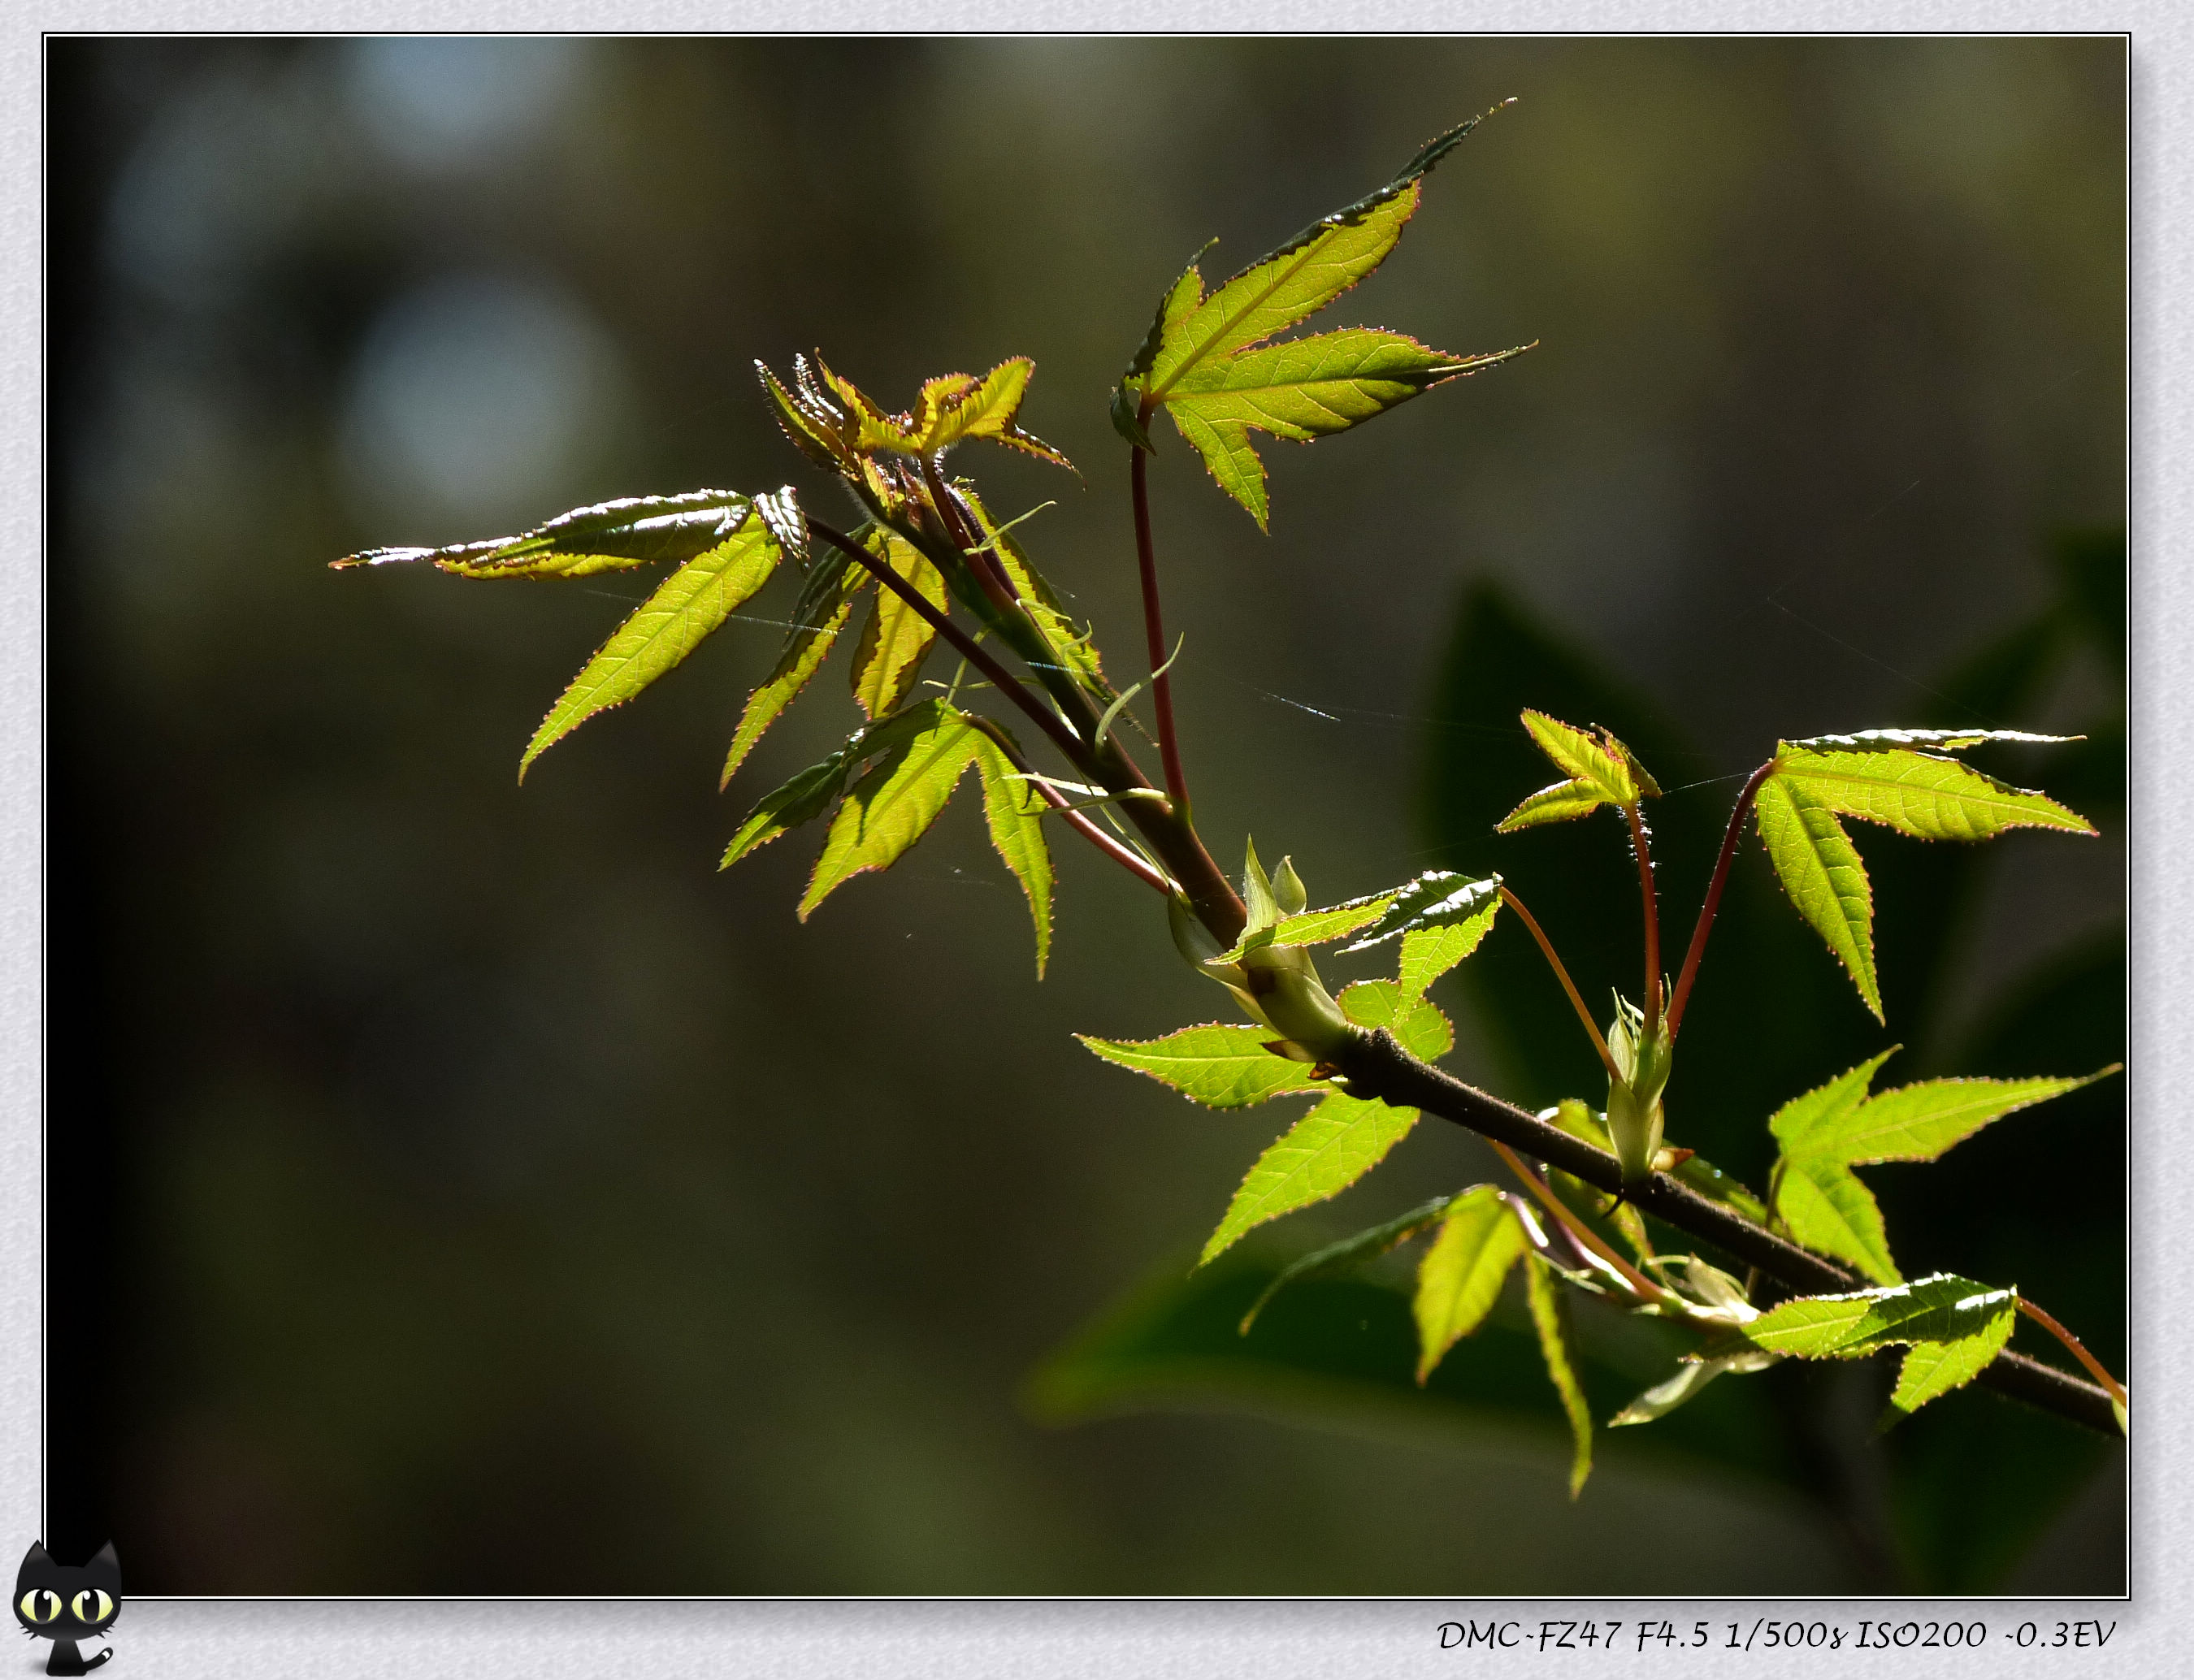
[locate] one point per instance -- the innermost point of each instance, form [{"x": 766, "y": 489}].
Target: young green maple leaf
[
  {"x": 1206, "y": 361},
  {"x": 1838, "y": 1126},
  {"x": 1879, "y": 776},
  {"x": 1601, "y": 771}
]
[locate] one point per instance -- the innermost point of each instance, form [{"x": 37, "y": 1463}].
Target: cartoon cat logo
[{"x": 55, "y": 1603}]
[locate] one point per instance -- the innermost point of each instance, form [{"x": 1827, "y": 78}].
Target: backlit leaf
[
  {"x": 893, "y": 805},
  {"x": 1923, "y": 794},
  {"x": 1938, "y": 1308},
  {"x": 1603, "y": 765},
  {"x": 1220, "y": 1066},
  {"x": 808, "y": 794},
  {"x": 1825, "y": 1104},
  {"x": 1321, "y": 1156},
  {"x": 889, "y": 657},
  {"x": 1918, "y": 1122},
  {"x": 1830, "y": 1211},
  {"x": 686, "y": 608},
  {"x": 1459, "y": 1277},
  {"x": 805, "y": 797},
  {"x": 1943, "y": 740},
  {"x": 1199, "y": 361},
  {"x": 1564, "y": 802},
  {"x": 948, "y": 409},
  {"x": 633, "y": 530},
  {"x": 1075, "y": 648},
  {"x": 1015, "y": 811},
  {"x": 1291, "y": 283},
  {"x": 1314, "y": 928},
  {"x": 826, "y": 602},
  {"x": 1427, "y": 953},
  {"x": 1820, "y": 869},
  {"x": 1550, "y": 1316},
  {"x": 1436, "y": 899},
  {"x": 1305, "y": 388},
  {"x": 1423, "y": 1030},
  {"x": 1691, "y": 1376},
  {"x": 1934, "y": 1368}
]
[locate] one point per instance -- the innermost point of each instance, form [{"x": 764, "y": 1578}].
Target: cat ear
[
  {"x": 35, "y": 1555},
  {"x": 104, "y": 1564}
]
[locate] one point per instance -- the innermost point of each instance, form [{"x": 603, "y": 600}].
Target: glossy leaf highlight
[{"x": 633, "y": 530}]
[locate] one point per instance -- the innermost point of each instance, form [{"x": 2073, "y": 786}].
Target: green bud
[
  {"x": 1257, "y": 893},
  {"x": 1289, "y": 893},
  {"x": 1635, "y": 1115},
  {"x": 1292, "y": 1000}
]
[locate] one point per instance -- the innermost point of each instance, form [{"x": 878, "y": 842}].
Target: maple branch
[
  {"x": 1004, "y": 681},
  {"x": 1124, "y": 856},
  {"x": 1377, "y": 1065}
]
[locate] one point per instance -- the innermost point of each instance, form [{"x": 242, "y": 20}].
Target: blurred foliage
[{"x": 474, "y": 1192}]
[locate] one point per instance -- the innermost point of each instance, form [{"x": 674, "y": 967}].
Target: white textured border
[{"x": 972, "y": 1641}]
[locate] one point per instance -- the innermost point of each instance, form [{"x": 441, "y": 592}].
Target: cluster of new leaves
[
  {"x": 893, "y": 776},
  {"x": 1440, "y": 919},
  {"x": 1209, "y": 363}
]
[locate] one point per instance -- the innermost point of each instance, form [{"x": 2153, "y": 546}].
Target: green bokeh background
[{"x": 491, "y": 1198}]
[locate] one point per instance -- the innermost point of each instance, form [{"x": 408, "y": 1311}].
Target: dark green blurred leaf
[
  {"x": 1350, "y": 1251},
  {"x": 1341, "y": 1352}
]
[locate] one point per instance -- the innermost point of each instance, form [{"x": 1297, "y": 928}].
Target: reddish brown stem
[
  {"x": 1653, "y": 920},
  {"x": 1547, "y": 946},
  {"x": 1126, "y": 857},
  {"x": 1644, "y": 1287},
  {"x": 1705, "y": 923},
  {"x": 985, "y": 564},
  {"x": 969, "y": 650},
  {"x": 1154, "y": 624},
  {"x": 2077, "y": 1348}
]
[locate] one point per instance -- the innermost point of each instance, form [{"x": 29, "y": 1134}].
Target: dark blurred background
[{"x": 456, "y": 1188}]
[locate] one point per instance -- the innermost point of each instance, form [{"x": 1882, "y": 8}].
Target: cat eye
[
  {"x": 105, "y": 1607},
  {"x": 40, "y": 1604}
]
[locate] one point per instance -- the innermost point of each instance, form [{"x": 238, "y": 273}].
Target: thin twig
[
  {"x": 1125, "y": 856},
  {"x": 1154, "y": 620},
  {"x": 1705, "y": 923},
  {"x": 1547, "y": 946},
  {"x": 2079, "y": 1350},
  {"x": 1004, "y": 681},
  {"x": 1642, "y": 1286}
]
